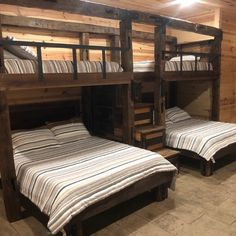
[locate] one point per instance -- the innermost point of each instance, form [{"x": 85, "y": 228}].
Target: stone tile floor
[{"x": 201, "y": 206}]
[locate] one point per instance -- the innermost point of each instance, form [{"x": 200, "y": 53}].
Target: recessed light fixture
[{"x": 185, "y": 3}]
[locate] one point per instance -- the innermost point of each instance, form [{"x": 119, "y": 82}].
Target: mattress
[
  {"x": 148, "y": 66},
  {"x": 19, "y": 66},
  {"x": 205, "y": 138},
  {"x": 64, "y": 181}
]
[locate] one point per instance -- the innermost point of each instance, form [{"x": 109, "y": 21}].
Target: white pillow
[
  {"x": 71, "y": 132},
  {"x": 175, "y": 114},
  {"x": 185, "y": 58},
  {"x": 32, "y": 140}
]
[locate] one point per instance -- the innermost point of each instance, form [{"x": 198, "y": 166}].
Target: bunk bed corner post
[
  {"x": 115, "y": 42},
  {"x": 127, "y": 64},
  {"x": 2, "y": 68},
  {"x": 159, "y": 93},
  {"x": 7, "y": 166},
  {"x": 216, "y": 61},
  {"x": 86, "y": 92},
  {"x": 84, "y": 53}
]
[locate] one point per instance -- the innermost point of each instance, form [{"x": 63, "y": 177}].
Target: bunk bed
[
  {"x": 186, "y": 62},
  {"x": 157, "y": 174}
]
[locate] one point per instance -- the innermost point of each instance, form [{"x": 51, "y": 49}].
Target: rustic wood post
[
  {"x": 84, "y": 53},
  {"x": 7, "y": 166},
  {"x": 126, "y": 45},
  {"x": 127, "y": 64},
  {"x": 159, "y": 93},
  {"x": 2, "y": 68},
  {"x": 115, "y": 42},
  {"x": 86, "y": 92},
  {"x": 216, "y": 48}
]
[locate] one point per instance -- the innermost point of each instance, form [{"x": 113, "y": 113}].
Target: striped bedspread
[
  {"x": 205, "y": 138},
  {"x": 148, "y": 66},
  {"x": 63, "y": 181},
  {"x": 19, "y": 66}
]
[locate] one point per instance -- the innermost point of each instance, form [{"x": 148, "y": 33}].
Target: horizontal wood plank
[{"x": 30, "y": 81}]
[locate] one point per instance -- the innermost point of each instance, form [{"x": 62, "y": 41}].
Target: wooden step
[
  {"x": 149, "y": 137},
  {"x": 143, "y": 114}
]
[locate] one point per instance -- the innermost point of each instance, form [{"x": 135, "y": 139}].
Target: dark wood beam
[
  {"x": 7, "y": 166},
  {"x": 84, "y": 40},
  {"x": 36, "y": 23},
  {"x": 2, "y": 69},
  {"x": 216, "y": 48},
  {"x": 159, "y": 93},
  {"x": 115, "y": 42},
  {"x": 30, "y": 81},
  {"x": 127, "y": 64},
  {"x": 98, "y": 10},
  {"x": 126, "y": 43}
]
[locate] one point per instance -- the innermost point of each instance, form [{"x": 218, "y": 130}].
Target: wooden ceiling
[{"x": 170, "y": 7}]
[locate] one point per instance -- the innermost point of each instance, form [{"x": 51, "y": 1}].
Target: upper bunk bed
[
  {"x": 184, "y": 61},
  {"x": 22, "y": 70}
]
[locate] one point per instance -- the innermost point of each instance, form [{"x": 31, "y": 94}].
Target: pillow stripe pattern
[
  {"x": 25, "y": 141},
  {"x": 176, "y": 114},
  {"x": 70, "y": 132}
]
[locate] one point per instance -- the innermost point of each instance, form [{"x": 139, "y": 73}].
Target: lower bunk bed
[
  {"x": 65, "y": 175},
  {"x": 207, "y": 141}
]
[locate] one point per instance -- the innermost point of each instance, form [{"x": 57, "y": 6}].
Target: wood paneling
[
  {"x": 228, "y": 69},
  {"x": 195, "y": 98}
]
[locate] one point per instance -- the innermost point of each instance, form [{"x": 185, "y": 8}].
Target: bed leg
[
  {"x": 207, "y": 168},
  {"x": 160, "y": 193},
  {"x": 74, "y": 230}
]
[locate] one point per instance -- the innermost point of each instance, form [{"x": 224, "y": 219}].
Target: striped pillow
[
  {"x": 71, "y": 132},
  {"x": 168, "y": 122},
  {"x": 175, "y": 114},
  {"x": 32, "y": 140}
]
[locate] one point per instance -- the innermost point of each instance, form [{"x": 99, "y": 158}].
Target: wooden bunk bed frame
[{"x": 157, "y": 182}]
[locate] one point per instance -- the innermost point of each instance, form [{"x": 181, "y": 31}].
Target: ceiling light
[{"x": 185, "y": 3}]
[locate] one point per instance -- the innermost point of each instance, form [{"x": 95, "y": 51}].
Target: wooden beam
[
  {"x": 7, "y": 166},
  {"x": 30, "y": 81},
  {"x": 128, "y": 114},
  {"x": 98, "y": 10},
  {"x": 126, "y": 43},
  {"x": 115, "y": 42},
  {"x": 84, "y": 40},
  {"x": 2, "y": 68},
  {"x": 36, "y": 23},
  {"x": 127, "y": 64},
  {"x": 216, "y": 48},
  {"x": 159, "y": 104}
]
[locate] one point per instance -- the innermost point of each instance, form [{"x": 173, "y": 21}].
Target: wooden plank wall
[{"x": 228, "y": 68}]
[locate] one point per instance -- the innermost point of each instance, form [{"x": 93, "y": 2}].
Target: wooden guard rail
[
  {"x": 73, "y": 47},
  {"x": 209, "y": 56}
]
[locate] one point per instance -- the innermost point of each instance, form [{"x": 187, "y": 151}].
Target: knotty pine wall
[{"x": 228, "y": 68}]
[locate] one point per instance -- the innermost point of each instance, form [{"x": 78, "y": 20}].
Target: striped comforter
[
  {"x": 205, "y": 138},
  {"x": 148, "y": 66},
  {"x": 64, "y": 181},
  {"x": 19, "y": 66}
]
